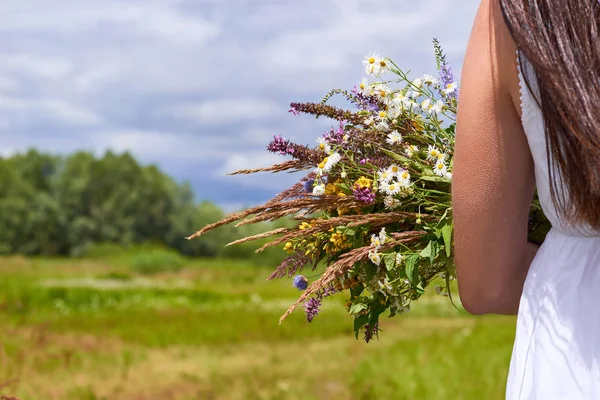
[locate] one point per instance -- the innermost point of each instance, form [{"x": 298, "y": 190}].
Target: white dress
[{"x": 556, "y": 353}]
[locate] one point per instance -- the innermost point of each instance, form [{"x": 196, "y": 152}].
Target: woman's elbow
[
  {"x": 475, "y": 302},
  {"x": 479, "y": 298}
]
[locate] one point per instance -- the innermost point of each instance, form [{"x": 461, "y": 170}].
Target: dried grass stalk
[
  {"x": 259, "y": 236},
  {"x": 284, "y": 166}
]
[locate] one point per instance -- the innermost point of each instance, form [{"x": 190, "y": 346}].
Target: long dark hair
[{"x": 560, "y": 40}]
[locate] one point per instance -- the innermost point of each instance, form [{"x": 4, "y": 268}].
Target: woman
[{"x": 516, "y": 131}]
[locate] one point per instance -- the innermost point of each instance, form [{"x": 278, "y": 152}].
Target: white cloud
[
  {"x": 157, "y": 18},
  {"x": 46, "y": 67},
  {"x": 199, "y": 82},
  {"x": 152, "y": 145},
  {"x": 50, "y": 108},
  {"x": 225, "y": 111}
]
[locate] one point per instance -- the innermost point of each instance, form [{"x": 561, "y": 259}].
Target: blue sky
[{"x": 200, "y": 86}]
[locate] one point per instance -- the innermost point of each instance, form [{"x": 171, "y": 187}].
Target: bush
[
  {"x": 104, "y": 250},
  {"x": 155, "y": 261}
]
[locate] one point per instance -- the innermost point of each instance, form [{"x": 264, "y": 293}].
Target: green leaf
[
  {"x": 435, "y": 247},
  {"x": 426, "y": 252},
  {"x": 449, "y": 270},
  {"x": 390, "y": 261},
  {"x": 356, "y": 290},
  {"x": 412, "y": 270},
  {"x": 434, "y": 178},
  {"x": 395, "y": 156},
  {"x": 347, "y": 231},
  {"x": 356, "y": 308},
  {"x": 359, "y": 322},
  {"x": 370, "y": 271},
  {"x": 447, "y": 236}
]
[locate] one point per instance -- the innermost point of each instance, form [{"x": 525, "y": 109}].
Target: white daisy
[
  {"x": 331, "y": 161},
  {"x": 382, "y": 115},
  {"x": 368, "y": 121},
  {"x": 438, "y": 107},
  {"x": 394, "y": 138},
  {"x": 320, "y": 170},
  {"x": 382, "y": 91},
  {"x": 440, "y": 168},
  {"x": 429, "y": 80},
  {"x": 323, "y": 145},
  {"x": 383, "y": 66},
  {"x": 371, "y": 63},
  {"x": 343, "y": 175},
  {"x": 450, "y": 88},
  {"x": 448, "y": 175},
  {"x": 394, "y": 170},
  {"x": 400, "y": 98},
  {"x": 404, "y": 178},
  {"x": 382, "y": 126},
  {"x": 391, "y": 203},
  {"x": 364, "y": 86},
  {"x": 398, "y": 259},
  {"x": 375, "y": 257},
  {"x": 441, "y": 157},
  {"x": 375, "y": 241},
  {"x": 384, "y": 176},
  {"x": 319, "y": 190},
  {"x": 382, "y": 236},
  {"x": 432, "y": 153},
  {"x": 426, "y": 105},
  {"x": 411, "y": 150},
  {"x": 391, "y": 188},
  {"x": 418, "y": 82}
]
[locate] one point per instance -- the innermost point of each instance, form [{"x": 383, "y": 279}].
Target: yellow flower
[
  {"x": 288, "y": 247},
  {"x": 304, "y": 225},
  {"x": 342, "y": 210},
  {"x": 364, "y": 182},
  {"x": 331, "y": 189}
]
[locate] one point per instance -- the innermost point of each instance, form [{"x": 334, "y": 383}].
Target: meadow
[{"x": 127, "y": 327}]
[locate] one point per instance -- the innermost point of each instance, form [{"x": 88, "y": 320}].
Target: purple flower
[
  {"x": 336, "y": 136},
  {"x": 371, "y": 331},
  {"x": 308, "y": 185},
  {"x": 366, "y": 102},
  {"x": 300, "y": 282},
  {"x": 447, "y": 77},
  {"x": 312, "y": 305},
  {"x": 364, "y": 194},
  {"x": 294, "y": 111},
  {"x": 281, "y": 146},
  {"x": 311, "y": 308}
]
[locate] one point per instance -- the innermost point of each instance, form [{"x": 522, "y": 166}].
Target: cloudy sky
[{"x": 200, "y": 86}]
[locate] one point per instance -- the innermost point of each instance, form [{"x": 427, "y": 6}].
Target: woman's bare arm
[{"x": 493, "y": 175}]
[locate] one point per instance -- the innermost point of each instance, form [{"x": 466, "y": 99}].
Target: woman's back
[{"x": 557, "y": 348}]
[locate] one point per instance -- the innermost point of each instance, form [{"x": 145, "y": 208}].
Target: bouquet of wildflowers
[{"x": 374, "y": 206}]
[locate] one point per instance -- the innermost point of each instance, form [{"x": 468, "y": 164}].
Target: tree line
[{"x": 63, "y": 205}]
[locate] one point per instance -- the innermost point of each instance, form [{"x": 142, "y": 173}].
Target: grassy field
[{"x": 94, "y": 329}]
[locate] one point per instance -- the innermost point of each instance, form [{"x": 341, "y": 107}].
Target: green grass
[{"x": 97, "y": 328}]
